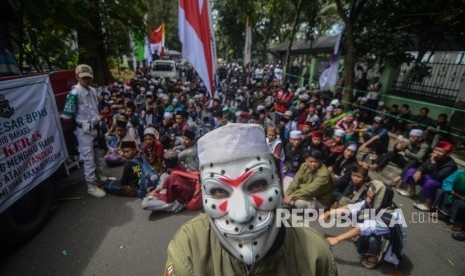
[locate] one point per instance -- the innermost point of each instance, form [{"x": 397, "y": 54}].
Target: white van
[{"x": 164, "y": 68}]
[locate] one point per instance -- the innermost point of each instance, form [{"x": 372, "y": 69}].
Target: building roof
[
  {"x": 325, "y": 44},
  {"x": 447, "y": 44},
  {"x": 322, "y": 44}
]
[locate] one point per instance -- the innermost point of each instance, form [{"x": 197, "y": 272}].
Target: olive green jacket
[
  {"x": 309, "y": 184},
  {"x": 417, "y": 153},
  {"x": 195, "y": 250}
]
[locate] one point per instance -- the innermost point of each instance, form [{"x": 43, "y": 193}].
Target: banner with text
[{"x": 32, "y": 146}]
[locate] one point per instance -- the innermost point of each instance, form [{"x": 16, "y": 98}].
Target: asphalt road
[{"x": 114, "y": 236}]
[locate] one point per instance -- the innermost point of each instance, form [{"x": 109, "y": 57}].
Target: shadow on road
[
  {"x": 76, "y": 227},
  {"x": 154, "y": 216}
]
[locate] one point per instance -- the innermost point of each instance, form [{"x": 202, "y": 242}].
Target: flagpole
[
  {"x": 162, "y": 45},
  {"x": 213, "y": 50},
  {"x": 248, "y": 41}
]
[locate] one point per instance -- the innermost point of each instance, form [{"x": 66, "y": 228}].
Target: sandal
[
  {"x": 403, "y": 192},
  {"x": 367, "y": 263},
  {"x": 454, "y": 228},
  {"x": 422, "y": 207}
]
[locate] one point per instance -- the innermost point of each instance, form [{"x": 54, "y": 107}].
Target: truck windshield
[{"x": 162, "y": 67}]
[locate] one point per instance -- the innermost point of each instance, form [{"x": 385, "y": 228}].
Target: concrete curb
[{"x": 460, "y": 162}]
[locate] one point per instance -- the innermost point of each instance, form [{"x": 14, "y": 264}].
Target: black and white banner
[{"x": 32, "y": 146}]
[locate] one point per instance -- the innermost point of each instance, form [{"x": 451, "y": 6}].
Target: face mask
[{"x": 241, "y": 198}]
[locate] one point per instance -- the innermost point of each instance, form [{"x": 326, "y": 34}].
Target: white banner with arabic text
[{"x": 32, "y": 146}]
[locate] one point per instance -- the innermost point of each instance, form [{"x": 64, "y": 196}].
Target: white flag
[{"x": 328, "y": 77}]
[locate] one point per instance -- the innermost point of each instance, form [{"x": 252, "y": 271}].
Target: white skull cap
[
  {"x": 416, "y": 132},
  {"x": 339, "y": 132},
  {"x": 230, "y": 142}
]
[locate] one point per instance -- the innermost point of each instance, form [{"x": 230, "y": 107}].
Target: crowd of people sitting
[{"x": 325, "y": 148}]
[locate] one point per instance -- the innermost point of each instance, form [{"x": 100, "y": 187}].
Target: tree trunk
[
  {"x": 349, "y": 20},
  {"x": 291, "y": 39},
  {"x": 349, "y": 66},
  {"x": 91, "y": 46},
  {"x": 269, "y": 32}
]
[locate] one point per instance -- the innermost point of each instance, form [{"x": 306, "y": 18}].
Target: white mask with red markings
[{"x": 241, "y": 197}]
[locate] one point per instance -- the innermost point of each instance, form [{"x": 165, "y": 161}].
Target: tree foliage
[
  {"x": 274, "y": 21},
  {"x": 57, "y": 34},
  {"x": 388, "y": 29},
  {"x": 384, "y": 31},
  {"x": 165, "y": 11},
  {"x": 42, "y": 37}
]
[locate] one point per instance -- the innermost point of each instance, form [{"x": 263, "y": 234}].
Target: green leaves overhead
[
  {"x": 57, "y": 34},
  {"x": 273, "y": 22}
]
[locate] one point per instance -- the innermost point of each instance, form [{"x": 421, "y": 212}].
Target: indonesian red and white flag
[
  {"x": 157, "y": 38},
  {"x": 198, "y": 39}
]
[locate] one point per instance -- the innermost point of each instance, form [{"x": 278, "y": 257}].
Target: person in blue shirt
[
  {"x": 175, "y": 106},
  {"x": 376, "y": 138}
]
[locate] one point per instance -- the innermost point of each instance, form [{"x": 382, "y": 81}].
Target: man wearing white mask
[{"x": 239, "y": 234}]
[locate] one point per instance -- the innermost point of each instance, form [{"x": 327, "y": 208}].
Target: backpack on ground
[
  {"x": 396, "y": 238},
  {"x": 112, "y": 157},
  {"x": 148, "y": 177},
  {"x": 384, "y": 195},
  {"x": 387, "y": 201}
]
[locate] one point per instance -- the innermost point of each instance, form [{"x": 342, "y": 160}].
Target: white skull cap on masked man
[{"x": 240, "y": 189}]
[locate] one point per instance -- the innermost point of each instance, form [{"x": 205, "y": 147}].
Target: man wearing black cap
[
  {"x": 189, "y": 156},
  {"x": 131, "y": 173}
]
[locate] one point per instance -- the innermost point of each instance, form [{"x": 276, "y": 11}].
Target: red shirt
[
  {"x": 284, "y": 101},
  {"x": 156, "y": 150},
  {"x": 302, "y": 117},
  {"x": 178, "y": 188},
  {"x": 334, "y": 147}
]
